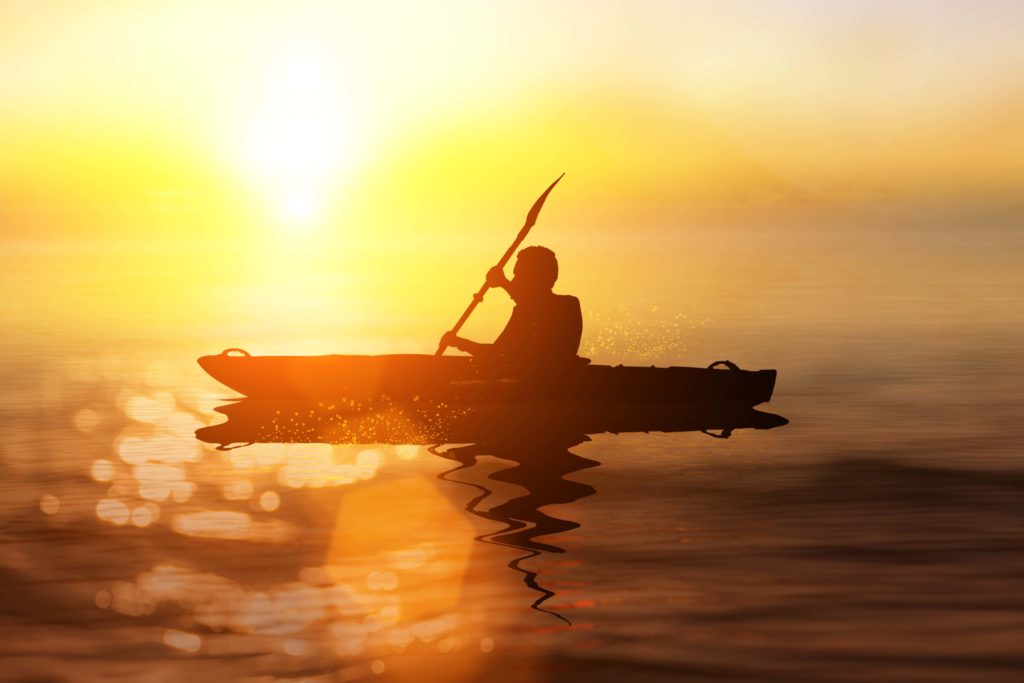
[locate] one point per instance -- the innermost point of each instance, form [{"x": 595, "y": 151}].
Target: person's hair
[{"x": 540, "y": 262}]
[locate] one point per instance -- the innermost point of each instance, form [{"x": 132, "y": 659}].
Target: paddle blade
[{"x": 531, "y": 217}]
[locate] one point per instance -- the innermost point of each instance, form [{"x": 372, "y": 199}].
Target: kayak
[
  {"x": 461, "y": 379},
  {"x": 527, "y": 425}
]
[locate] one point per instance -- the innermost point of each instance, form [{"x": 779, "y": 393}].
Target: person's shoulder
[{"x": 568, "y": 300}]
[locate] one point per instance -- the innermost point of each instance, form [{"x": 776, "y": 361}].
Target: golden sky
[
  {"x": 297, "y": 115},
  {"x": 339, "y": 176}
]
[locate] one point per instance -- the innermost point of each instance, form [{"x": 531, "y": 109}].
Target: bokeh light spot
[
  {"x": 270, "y": 500},
  {"x": 238, "y": 490},
  {"x": 142, "y": 517},
  {"x": 180, "y": 640},
  {"x": 102, "y": 470},
  {"x": 86, "y": 420},
  {"x": 112, "y": 510},
  {"x": 49, "y": 504}
]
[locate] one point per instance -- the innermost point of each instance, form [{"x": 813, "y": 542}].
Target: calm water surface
[{"x": 878, "y": 536}]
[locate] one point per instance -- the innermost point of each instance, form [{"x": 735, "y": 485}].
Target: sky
[
  {"x": 300, "y": 114},
  {"x": 157, "y": 158}
]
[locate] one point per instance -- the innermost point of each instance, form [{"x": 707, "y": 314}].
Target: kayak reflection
[
  {"x": 427, "y": 422},
  {"x": 536, "y": 436}
]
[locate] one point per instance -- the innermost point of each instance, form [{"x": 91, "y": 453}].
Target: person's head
[{"x": 536, "y": 270}]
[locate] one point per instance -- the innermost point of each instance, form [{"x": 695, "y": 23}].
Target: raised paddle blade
[{"x": 531, "y": 217}]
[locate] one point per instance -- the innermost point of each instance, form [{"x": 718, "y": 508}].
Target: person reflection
[{"x": 542, "y": 460}]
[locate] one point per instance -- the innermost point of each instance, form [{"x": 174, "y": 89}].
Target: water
[{"x": 877, "y": 536}]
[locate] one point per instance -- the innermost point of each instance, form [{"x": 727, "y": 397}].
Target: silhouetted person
[{"x": 545, "y": 327}]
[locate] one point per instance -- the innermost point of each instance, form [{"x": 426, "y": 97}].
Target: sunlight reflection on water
[{"x": 384, "y": 581}]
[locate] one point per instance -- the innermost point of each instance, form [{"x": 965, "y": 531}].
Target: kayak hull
[{"x": 455, "y": 379}]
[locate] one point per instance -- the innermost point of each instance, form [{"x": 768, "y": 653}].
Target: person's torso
[{"x": 545, "y": 329}]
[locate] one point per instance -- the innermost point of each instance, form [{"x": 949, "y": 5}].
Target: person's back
[{"x": 545, "y": 328}]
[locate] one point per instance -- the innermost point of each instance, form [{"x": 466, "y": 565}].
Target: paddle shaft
[{"x": 531, "y": 219}]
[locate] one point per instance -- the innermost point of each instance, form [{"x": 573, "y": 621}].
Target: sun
[{"x": 298, "y": 140}]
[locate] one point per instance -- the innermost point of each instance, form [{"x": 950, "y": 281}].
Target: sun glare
[{"x": 299, "y": 139}]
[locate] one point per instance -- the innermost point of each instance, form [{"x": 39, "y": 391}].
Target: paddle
[{"x": 531, "y": 218}]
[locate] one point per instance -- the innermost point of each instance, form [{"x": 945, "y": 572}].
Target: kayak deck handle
[
  {"x": 727, "y": 363},
  {"x": 242, "y": 352},
  {"x": 233, "y": 446}
]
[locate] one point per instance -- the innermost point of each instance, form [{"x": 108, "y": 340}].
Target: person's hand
[
  {"x": 451, "y": 339},
  {"x": 496, "y": 277}
]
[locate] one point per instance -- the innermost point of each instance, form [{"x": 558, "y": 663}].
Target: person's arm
[
  {"x": 465, "y": 345},
  {"x": 496, "y": 280}
]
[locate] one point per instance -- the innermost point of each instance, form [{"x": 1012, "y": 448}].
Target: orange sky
[{"x": 298, "y": 116}]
